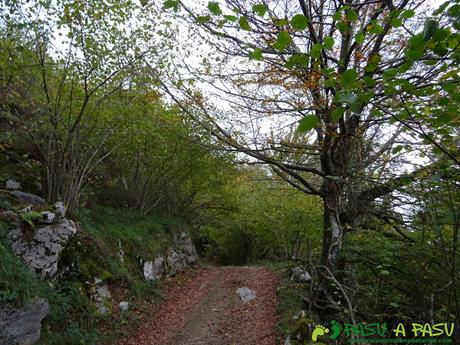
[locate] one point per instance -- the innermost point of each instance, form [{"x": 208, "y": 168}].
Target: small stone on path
[{"x": 246, "y": 294}]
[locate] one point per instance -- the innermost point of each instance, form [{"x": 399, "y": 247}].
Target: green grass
[
  {"x": 145, "y": 235},
  {"x": 290, "y": 300},
  {"x": 105, "y": 230}
]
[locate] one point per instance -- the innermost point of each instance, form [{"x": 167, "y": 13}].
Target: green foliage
[
  {"x": 359, "y": 37},
  {"x": 283, "y": 41},
  {"x": 337, "y": 114},
  {"x": 256, "y": 54},
  {"x": 416, "y": 47},
  {"x": 143, "y": 236},
  {"x": 386, "y": 271},
  {"x": 160, "y": 165},
  {"x": 30, "y": 218},
  {"x": 328, "y": 42},
  {"x": 297, "y": 60},
  {"x": 396, "y": 22},
  {"x": 352, "y": 15},
  {"x": 267, "y": 223},
  {"x": 408, "y": 14},
  {"x": 214, "y": 8},
  {"x": 299, "y": 22},
  {"x": 174, "y": 4},
  {"x": 292, "y": 297},
  {"x": 17, "y": 284},
  {"x": 307, "y": 123},
  {"x": 65, "y": 99},
  {"x": 244, "y": 24},
  {"x": 348, "y": 79},
  {"x": 93, "y": 129},
  {"x": 316, "y": 50},
  {"x": 259, "y": 9},
  {"x": 203, "y": 19}
]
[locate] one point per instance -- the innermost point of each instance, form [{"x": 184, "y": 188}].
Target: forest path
[{"x": 203, "y": 308}]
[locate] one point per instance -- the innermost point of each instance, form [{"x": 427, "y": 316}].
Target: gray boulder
[
  {"x": 154, "y": 270},
  {"x": 28, "y": 198},
  {"x": 123, "y": 306},
  {"x": 22, "y": 326},
  {"x": 41, "y": 253},
  {"x": 176, "y": 262},
  {"x": 246, "y": 294},
  {"x": 181, "y": 255},
  {"x": 300, "y": 275},
  {"x": 186, "y": 249}
]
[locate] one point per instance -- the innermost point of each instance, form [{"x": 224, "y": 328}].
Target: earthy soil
[{"x": 203, "y": 308}]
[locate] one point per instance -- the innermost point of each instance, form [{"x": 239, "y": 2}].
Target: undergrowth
[{"x": 291, "y": 301}]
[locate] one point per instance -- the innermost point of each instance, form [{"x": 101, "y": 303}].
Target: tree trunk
[{"x": 332, "y": 229}]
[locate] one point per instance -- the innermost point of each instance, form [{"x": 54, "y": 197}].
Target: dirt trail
[{"x": 202, "y": 308}]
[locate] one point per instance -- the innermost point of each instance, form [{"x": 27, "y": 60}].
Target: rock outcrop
[
  {"x": 41, "y": 252},
  {"x": 22, "y": 326},
  {"x": 154, "y": 270},
  {"x": 185, "y": 248},
  {"x": 181, "y": 255},
  {"x": 175, "y": 262},
  {"x": 47, "y": 217}
]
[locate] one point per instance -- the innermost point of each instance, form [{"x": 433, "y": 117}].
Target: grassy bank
[
  {"x": 291, "y": 301},
  {"x": 109, "y": 245}
]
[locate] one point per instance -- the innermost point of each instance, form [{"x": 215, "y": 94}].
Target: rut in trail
[{"x": 203, "y": 308}]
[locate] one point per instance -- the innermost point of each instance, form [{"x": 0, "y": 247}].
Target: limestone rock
[
  {"x": 299, "y": 274},
  {"x": 123, "y": 306},
  {"x": 60, "y": 209},
  {"x": 186, "y": 249},
  {"x": 47, "y": 217},
  {"x": 28, "y": 198},
  {"x": 246, "y": 294},
  {"x": 154, "y": 270},
  {"x": 41, "y": 253},
  {"x": 22, "y": 326},
  {"x": 175, "y": 262},
  {"x": 181, "y": 255}
]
